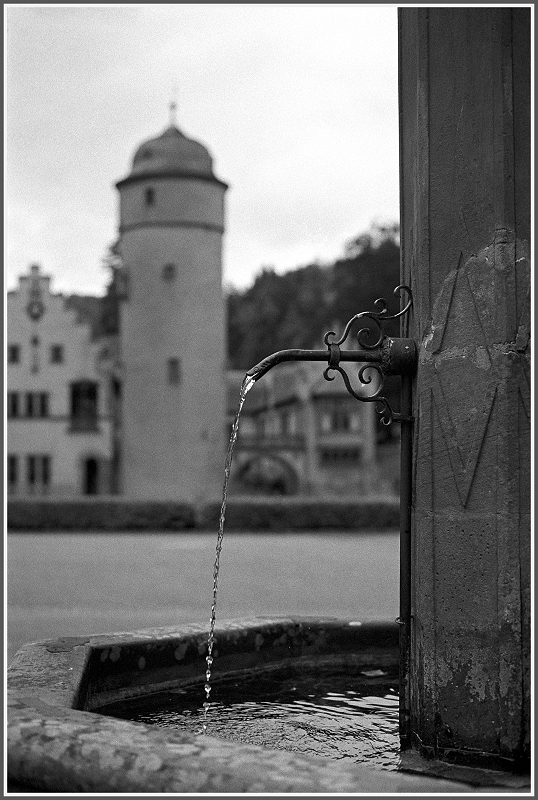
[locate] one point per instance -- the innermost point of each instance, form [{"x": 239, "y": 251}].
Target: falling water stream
[
  {"x": 336, "y": 713},
  {"x": 248, "y": 383},
  {"x": 332, "y": 715}
]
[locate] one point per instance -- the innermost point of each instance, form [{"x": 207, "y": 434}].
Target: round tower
[{"x": 172, "y": 322}]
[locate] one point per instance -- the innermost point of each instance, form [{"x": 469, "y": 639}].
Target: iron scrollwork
[{"x": 365, "y": 338}]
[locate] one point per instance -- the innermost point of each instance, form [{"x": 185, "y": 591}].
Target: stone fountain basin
[{"x": 57, "y": 743}]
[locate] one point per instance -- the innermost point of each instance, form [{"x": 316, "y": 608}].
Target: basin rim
[{"x": 56, "y": 747}]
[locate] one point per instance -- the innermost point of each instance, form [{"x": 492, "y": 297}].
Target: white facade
[
  {"x": 59, "y": 426},
  {"x": 172, "y": 323}
]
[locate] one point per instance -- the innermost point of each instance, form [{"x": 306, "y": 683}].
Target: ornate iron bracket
[{"x": 384, "y": 355}]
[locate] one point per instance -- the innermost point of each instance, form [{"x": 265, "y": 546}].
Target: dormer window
[{"x": 150, "y": 197}]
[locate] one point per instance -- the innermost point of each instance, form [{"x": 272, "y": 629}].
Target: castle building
[
  {"x": 172, "y": 321},
  {"x": 301, "y": 434},
  {"x": 143, "y": 407},
  {"x": 60, "y": 419}
]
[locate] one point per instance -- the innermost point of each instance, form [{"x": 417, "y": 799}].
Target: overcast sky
[{"x": 296, "y": 103}]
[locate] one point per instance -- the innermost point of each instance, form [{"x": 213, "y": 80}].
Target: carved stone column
[{"x": 465, "y": 226}]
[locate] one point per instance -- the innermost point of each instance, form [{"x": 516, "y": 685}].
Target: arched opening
[{"x": 267, "y": 475}]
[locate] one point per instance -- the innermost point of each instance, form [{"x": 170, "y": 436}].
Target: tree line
[{"x": 296, "y": 308}]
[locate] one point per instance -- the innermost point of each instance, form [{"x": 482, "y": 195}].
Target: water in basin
[{"x": 337, "y": 713}]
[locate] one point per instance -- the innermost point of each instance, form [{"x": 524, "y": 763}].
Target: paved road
[{"x": 75, "y": 584}]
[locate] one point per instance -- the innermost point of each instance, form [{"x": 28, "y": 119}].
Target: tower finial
[{"x": 173, "y": 107}]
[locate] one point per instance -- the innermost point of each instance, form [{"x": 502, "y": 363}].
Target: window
[
  {"x": 289, "y": 422},
  {"x": 38, "y": 473},
  {"x": 340, "y": 458},
  {"x": 56, "y": 354},
  {"x": 36, "y": 405},
  {"x": 43, "y": 404},
  {"x": 169, "y": 272},
  {"x": 336, "y": 418},
  {"x": 13, "y": 354},
  {"x": 13, "y": 404},
  {"x": 84, "y": 406},
  {"x": 45, "y": 470},
  {"x": 31, "y": 471},
  {"x": 355, "y": 422},
  {"x": 149, "y": 197},
  {"x": 174, "y": 371},
  {"x": 12, "y": 472},
  {"x": 341, "y": 421},
  {"x": 30, "y": 404},
  {"x": 248, "y": 427},
  {"x": 271, "y": 424},
  {"x": 91, "y": 476},
  {"x": 275, "y": 423},
  {"x": 326, "y": 423}
]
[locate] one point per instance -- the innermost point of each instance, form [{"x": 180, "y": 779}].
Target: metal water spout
[{"x": 384, "y": 355}]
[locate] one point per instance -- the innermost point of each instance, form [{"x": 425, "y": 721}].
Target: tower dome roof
[{"x": 172, "y": 152}]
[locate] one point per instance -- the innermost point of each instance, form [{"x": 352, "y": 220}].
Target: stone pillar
[{"x": 465, "y": 226}]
